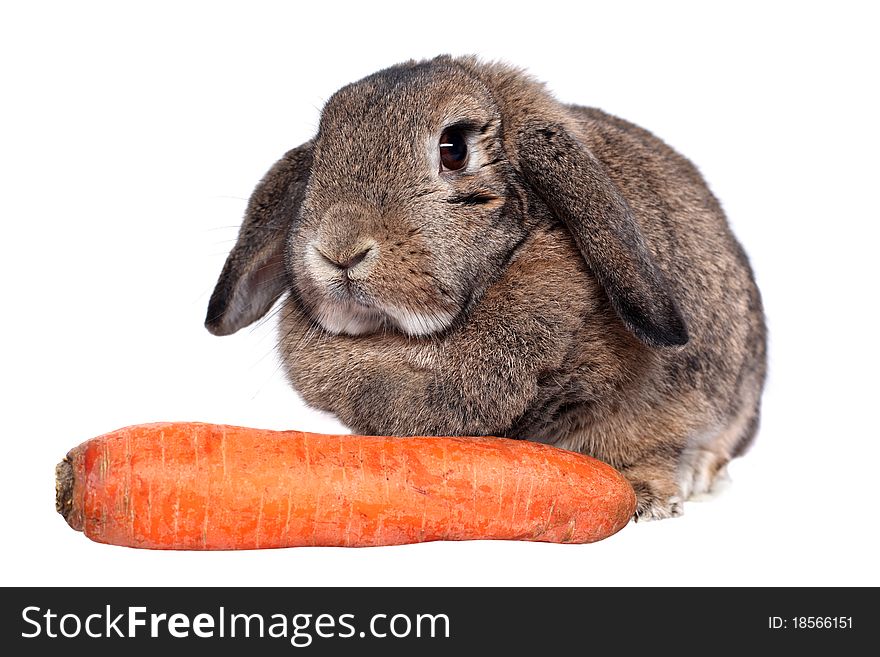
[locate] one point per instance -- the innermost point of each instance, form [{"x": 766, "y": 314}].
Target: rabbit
[{"x": 459, "y": 253}]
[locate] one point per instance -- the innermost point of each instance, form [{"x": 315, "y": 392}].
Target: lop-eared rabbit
[{"x": 461, "y": 254}]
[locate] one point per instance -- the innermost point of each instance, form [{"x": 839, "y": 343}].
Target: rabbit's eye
[{"x": 453, "y": 150}]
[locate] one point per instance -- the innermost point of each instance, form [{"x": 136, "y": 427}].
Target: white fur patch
[
  {"x": 354, "y": 319},
  {"x": 700, "y": 471},
  {"x": 419, "y": 324},
  {"x": 720, "y": 484},
  {"x": 348, "y": 318}
]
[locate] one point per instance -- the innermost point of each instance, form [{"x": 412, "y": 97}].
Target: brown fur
[{"x": 576, "y": 284}]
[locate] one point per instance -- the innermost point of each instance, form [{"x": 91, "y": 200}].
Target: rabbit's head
[{"x": 420, "y": 184}]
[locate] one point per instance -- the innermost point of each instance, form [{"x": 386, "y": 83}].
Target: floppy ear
[
  {"x": 576, "y": 187},
  {"x": 254, "y": 276}
]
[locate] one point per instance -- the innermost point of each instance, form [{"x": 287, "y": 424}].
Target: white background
[{"x": 131, "y": 139}]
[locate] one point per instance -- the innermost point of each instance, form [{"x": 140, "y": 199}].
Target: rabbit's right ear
[
  {"x": 577, "y": 188},
  {"x": 254, "y": 277}
]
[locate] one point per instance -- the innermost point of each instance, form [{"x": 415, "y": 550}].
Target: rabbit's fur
[{"x": 576, "y": 283}]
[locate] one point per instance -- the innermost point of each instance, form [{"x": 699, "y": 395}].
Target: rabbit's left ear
[
  {"x": 576, "y": 187},
  {"x": 254, "y": 277}
]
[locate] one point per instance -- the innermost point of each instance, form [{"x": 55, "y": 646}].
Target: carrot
[{"x": 193, "y": 486}]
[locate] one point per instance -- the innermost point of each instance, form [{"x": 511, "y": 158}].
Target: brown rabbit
[{"x": 464, "y": 255}]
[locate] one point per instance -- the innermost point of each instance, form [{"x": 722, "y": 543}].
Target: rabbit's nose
[{"x": 348, "y": 261}]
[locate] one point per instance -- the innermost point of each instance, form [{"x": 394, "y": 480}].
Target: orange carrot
[{"x": 193, "y": 486}]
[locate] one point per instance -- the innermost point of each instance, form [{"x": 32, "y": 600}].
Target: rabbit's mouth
[{"x": 346, "y": 299}]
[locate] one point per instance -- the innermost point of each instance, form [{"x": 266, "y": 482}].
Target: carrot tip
[{"x": 64, "y": 490}]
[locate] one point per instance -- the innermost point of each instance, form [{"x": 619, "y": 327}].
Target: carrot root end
[{"x": 64, "y": 480}]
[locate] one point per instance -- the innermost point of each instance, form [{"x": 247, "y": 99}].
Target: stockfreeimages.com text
[{"x": 301, "y": 629}]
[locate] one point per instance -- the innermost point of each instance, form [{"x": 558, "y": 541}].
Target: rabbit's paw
[{"x": 656, "y": 499}]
